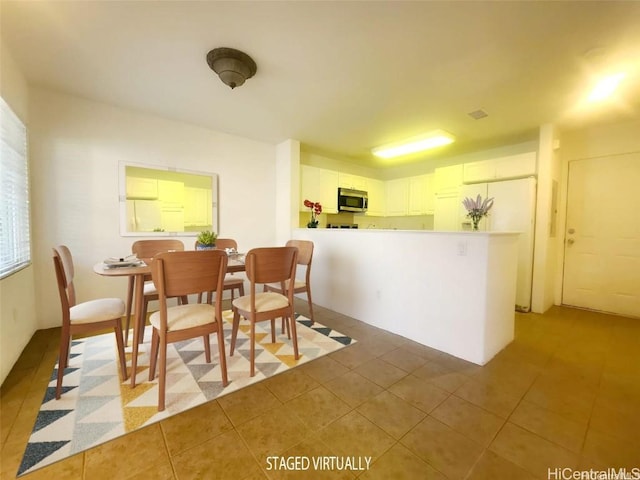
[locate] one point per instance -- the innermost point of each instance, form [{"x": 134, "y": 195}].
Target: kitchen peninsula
[{"x": 452, "y": 291}]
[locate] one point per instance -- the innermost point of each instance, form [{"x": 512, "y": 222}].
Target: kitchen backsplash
[{"x": 417, "y": 222}]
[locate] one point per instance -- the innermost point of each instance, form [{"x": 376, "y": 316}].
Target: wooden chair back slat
[
  {"x": 189, "y": 272},
  {"x": 271, "y": 264},
  {"x": 305, "y": 250},
  {"x": 222, "y": 243},
  {"x": 150, "y": 248},
  {"x": 65, "y": 272}
]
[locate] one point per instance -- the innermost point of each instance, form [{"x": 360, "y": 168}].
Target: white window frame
[{"x": 15, "y": 233}]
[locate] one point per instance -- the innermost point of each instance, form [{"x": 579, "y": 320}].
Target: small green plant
[{"x": 207, "y": 237}]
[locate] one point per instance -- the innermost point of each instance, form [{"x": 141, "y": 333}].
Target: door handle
[{"x": 570, "y": 241}]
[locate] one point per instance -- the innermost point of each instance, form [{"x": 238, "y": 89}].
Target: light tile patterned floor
[{"x": 564, "y": 394}]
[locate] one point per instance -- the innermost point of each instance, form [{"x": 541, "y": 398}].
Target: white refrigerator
[{"x": 513, "y": 210}]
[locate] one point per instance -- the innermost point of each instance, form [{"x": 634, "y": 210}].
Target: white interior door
[{"x": 602, "y": 238}]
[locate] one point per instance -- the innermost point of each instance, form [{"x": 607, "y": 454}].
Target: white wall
[
  {"x": 334, "y": 162},
  {"x": 76, "y": 147},
  {"x": 545, "y": 245},
  {"x": 287, "y": 188},
  {"x": 600, "y": 141},
  {"x": 17, "y": 295}
]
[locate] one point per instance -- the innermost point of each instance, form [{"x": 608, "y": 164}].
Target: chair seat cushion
[
  {"x": 185, "y": 316},
  {"x": 296, "y": 285},
  {"x": 150, "y": 288},
  {"x": 233, "y": 281},
  {"x": 96, "y": 310},
  {"x": 264, "y": 302}
]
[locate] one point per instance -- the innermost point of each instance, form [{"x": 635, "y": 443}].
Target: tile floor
[{"x": 565, "y": 393}]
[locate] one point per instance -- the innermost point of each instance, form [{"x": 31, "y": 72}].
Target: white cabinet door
[
  {"x": 171, "y": 194},
  {"x": 479, "y": 171},
  {"x": 139, "y": 188},
  {"x": 522, "y": 165},
  {"x": 421, "y": 195},
  {"x": 397, "y": 196},
  {"x": 513, "y": 166},
  {"x": 447, "y": 213},
  {"x": 319, "y": 185},
  {"x": 197, "y": 206},
  {"x": 430, "y": 200},
  {"x": 448, "y": 179},
  {"x": 376, "y": 191},
  {"x": 353, "y": 182},
  {"x": 418, "y": 195}
]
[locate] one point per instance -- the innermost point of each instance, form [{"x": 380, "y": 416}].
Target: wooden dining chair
[
  {"x": 231, "y": 282},
  {"x": 147, "y": 249},
  {"x": 85, "y": 317},
  {"x": 177, "y": 274},
  {"x": 305, "y": 257},
  {"x": 267, "y": 265}
]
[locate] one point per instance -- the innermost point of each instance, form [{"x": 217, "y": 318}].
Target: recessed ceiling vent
[{"x": 478, "y": 114}]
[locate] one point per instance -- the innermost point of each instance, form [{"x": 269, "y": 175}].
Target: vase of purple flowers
[{"x": 477, "y": 208}]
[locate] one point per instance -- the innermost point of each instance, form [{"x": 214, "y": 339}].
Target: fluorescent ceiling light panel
[
  {"x": 434, "y": 139},
  {"x": 605, "y": 87}
]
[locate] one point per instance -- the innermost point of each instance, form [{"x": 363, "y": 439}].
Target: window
[{"x": 15, "y": 240}]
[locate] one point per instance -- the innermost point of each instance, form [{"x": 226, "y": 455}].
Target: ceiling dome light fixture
[
  {"x": 436, "y": 138},
  {"x": 232, "y": 66}
]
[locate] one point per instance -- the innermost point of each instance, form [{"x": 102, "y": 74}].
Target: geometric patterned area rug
[{"x": 96, "y": 406}]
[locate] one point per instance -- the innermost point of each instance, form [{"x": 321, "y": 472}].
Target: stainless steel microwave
[{"x": 352, "y": 200}]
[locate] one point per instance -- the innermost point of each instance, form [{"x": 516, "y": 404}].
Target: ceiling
[{"x": 341, "y": 77}]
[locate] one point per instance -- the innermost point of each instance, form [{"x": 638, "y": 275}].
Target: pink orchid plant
[{"x": 316, "y": 209}]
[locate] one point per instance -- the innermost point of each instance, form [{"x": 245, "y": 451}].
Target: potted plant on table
[
  {"x": 206, "y": 240},
  {"x": 476, "y": 209},
  {"x": 316, "y": 209}
]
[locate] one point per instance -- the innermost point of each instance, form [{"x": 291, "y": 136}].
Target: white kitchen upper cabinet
[
  {"x": 479, "y": 171},
  {"x": 354, "y": 182},
  {"x": 448, "y": 179},
  {"x": 397, "y": 196},
  {"x": 377, "y": 198},
  {"x": 421, "y": 195},
  {"x": 171, "y": 194},
  {"x": 431, "y": 193},
  {"x": 139, "y": 188},
  {"x": 512, "y": 166},
  {"x": 197, "y": 207},
  {"x": 319, "y": 185}
]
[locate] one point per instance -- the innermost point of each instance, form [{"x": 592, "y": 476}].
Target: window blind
[{"x": 15, "y": 238}]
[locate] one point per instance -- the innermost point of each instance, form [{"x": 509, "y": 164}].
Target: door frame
[{"x": 563, "y": 207}]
